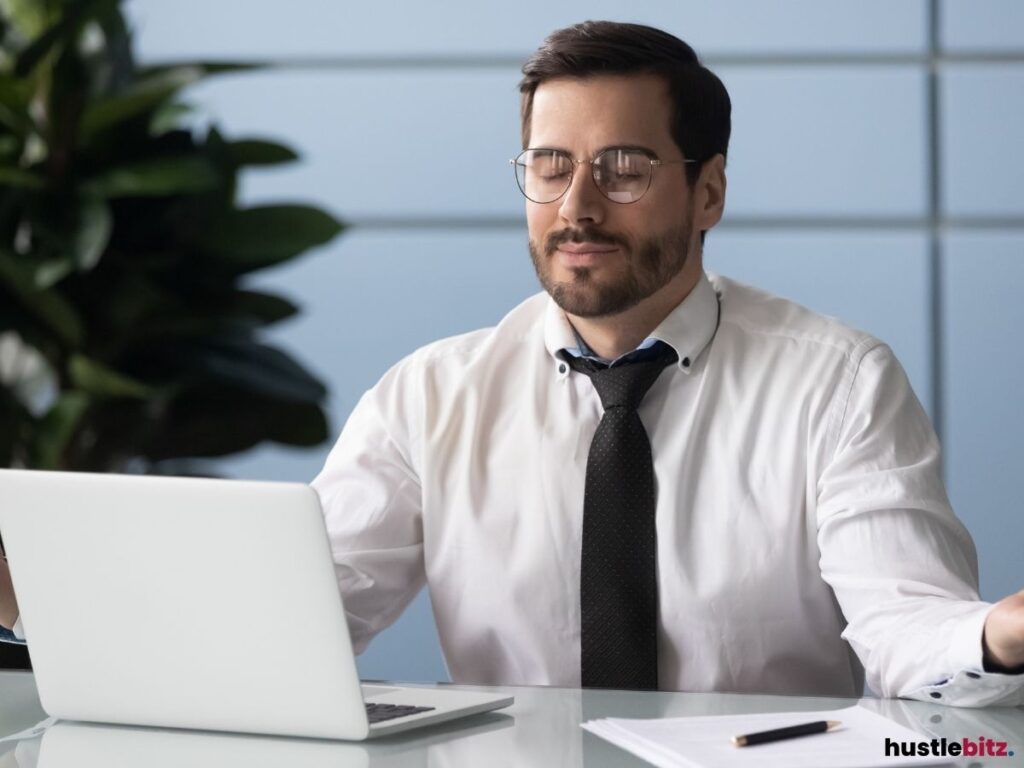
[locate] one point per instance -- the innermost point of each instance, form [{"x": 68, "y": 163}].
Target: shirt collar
[{"x": 688, "y": 329}]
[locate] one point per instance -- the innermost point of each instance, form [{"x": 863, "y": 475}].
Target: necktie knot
[{"x": 624, "y": 385}]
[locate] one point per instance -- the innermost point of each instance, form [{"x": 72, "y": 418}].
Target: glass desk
[{"x": 540, "y": 729}]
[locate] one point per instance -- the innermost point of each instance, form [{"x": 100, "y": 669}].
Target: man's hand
[
  {"x": 1003, "y": 638},
  {"x": 8, "y": 604}
]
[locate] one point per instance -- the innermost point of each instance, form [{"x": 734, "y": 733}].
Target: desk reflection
[{"x": 88, "y": 745}]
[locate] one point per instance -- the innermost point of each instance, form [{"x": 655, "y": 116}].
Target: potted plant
[{"x": 128, "y": 338}]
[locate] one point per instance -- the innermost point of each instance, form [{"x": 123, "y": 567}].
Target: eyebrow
[{"x": 605, "y": 148}]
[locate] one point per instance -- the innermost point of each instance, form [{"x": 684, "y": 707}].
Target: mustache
[{"x": 585, "y": 235}]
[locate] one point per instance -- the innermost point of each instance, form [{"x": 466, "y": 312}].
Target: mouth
[
  {"x": 584, "y": 254},
  {"x": 582, "y": 248}
]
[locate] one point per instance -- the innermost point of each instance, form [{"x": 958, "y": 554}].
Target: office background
[{"x": 876, "y": 173}]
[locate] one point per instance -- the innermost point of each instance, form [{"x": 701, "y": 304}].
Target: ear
[{"x": 709, "y": 194}]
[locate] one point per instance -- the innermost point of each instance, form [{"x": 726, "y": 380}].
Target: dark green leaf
[
  {"x": 28, "y": 19},
  {"x": 258, "y": 368},
  {"x": 298, "y": 424},
  {"x": 258, "y": 237},
  {"x": 134, "y": 298},
  {"x": 14, "y": 100},
  {"x": 15, "y": 120},
  {"x": 64, "y": 30},
  {"x": 99, "y": 380},
  {"x": 142, "y": 96},
  {"x": 168, "y": 117},
  {"x": 68, "y": 82},
  {"x": 17, "y": 177},
  {"x": 167, "y": 176},
  {"x": 52, "y": 271},
  {"x": 118, "y": 48},
  {"x": 14, "y": 90},
  {"x": 265, "y": 308},
  {"x": 220, "y": 421},
  {"x": 215, "y": 140},
  {"x": 171, "y": 326},
  {"x": 253, "y": 152},
  {"x": 92, "y": 233},
  {"x": 41, "y": 46},
  {"x": 56, "y": 429},
  {"x": 46, "y": 305},
  {"x": 205, "y": 67},
  {"x": 10, "y": 148}
]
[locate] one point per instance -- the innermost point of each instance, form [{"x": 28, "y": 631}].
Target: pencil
[{"x": 790, "y": 732}]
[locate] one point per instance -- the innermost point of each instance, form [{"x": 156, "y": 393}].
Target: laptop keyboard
[{"x": 377, "y": 713}]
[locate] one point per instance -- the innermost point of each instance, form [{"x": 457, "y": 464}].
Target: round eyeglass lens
[
  {"x": 623, "y": 175},
  {"x": 543, "y": 175}
]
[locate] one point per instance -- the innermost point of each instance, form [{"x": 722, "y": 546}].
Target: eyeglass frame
[{"x": 654, "y": 160}]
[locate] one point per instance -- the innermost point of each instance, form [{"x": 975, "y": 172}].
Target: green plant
[{"x": 128, "y": 341}]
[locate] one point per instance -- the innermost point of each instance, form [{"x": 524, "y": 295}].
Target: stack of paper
[{"x": 695, "y": 742}]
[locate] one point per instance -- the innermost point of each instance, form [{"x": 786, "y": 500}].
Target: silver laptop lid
[{"x": 179, "y": 602}]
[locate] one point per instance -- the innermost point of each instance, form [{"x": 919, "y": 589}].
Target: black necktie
[{"x": 619, "y": 568}]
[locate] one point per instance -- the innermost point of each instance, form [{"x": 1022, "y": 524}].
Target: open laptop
[{"x": 194, "y": 603}]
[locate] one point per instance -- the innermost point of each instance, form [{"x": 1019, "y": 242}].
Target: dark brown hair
[{"x": 701, "y": 107}]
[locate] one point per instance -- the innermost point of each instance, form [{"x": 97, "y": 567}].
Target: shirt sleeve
[
  {"x": 903, "y": 568},
  {"x": 13, "y": 635},
  {"x": 370, "y": 492}
]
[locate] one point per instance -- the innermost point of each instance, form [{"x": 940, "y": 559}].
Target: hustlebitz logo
[{"x": 980, "y": 747}]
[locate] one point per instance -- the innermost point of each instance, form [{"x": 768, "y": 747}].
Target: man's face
[{"x": 594, "y": 256}]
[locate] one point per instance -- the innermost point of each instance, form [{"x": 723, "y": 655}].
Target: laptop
[{"x": 195, "y": 603}]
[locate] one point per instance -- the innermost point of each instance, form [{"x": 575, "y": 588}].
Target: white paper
[
  {"x": 30, "y": 733},
  {"x": 706, "y": 742}
]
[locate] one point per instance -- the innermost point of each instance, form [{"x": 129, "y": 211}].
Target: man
[
  {"x": 746, "y": 499},
  {"x": 798, "y": 501}
]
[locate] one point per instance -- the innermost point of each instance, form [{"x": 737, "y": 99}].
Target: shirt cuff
[
  {"x": 16, "y": 635},
  {"x": 969, "y": 685}
]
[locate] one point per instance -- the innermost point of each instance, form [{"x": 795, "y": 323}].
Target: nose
[{"x": 583, "y": 201}]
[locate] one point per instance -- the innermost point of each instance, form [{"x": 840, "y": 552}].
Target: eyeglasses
[{"x": 623, "y": 175}]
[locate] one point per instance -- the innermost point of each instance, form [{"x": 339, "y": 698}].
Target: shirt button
[
  {"x": 686, "y": 362},
  {"x": 935, "y": 695},
  {"x": 561, "y": 368}
]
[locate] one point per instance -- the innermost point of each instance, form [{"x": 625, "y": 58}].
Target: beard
[{"x": 648, "y": 267}]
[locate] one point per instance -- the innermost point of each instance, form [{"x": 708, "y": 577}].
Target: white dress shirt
[{"x": 803, "y": 528}]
